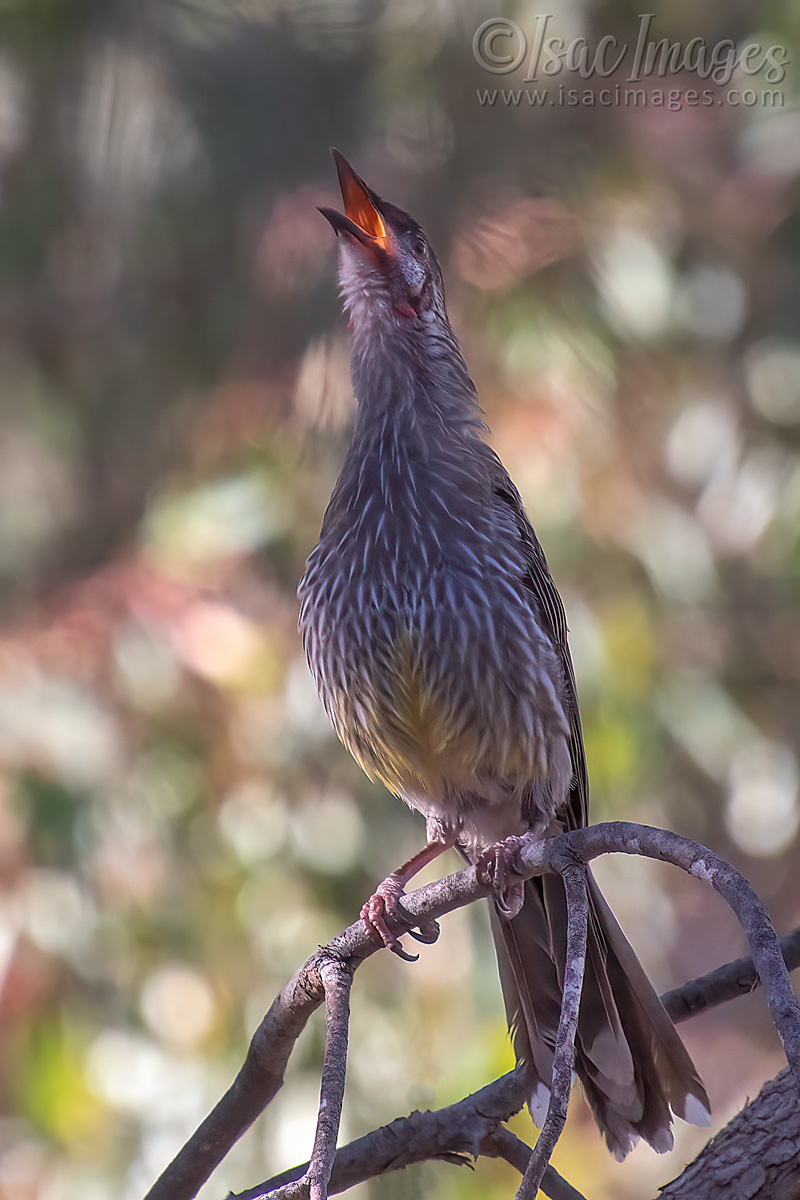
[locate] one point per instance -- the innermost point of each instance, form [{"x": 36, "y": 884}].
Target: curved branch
[{"x": 627, "y": 838}]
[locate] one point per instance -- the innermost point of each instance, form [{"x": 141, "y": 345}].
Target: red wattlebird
[{"x": 438, "y": 642}]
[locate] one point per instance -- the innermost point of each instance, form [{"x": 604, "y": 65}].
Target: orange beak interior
[{"x": 357, "y": 205}]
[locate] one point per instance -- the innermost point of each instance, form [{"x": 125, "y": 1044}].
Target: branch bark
[
  {"x": 755, "y": 1157},
  {"x": 261, "y": 1075},
  {"x": 736, "y": 978},
  {"x": 337, "y": 978}
]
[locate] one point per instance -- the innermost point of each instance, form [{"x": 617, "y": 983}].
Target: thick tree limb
[
  {"x": 755, "y": 1157},
  {"x": 262, "y": 1074}
]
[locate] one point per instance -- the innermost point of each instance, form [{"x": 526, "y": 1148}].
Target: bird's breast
[{"x": 429, "y": 658}]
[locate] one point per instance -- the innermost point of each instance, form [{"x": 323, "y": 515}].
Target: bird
[{"x": 438, "y": 643}]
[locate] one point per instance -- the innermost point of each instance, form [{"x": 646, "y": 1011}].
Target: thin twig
[
  {"x": 312, "y": 1181},
  {"x": 517, "y": 1153},
  {"x": 337, "y": 978},
  {"x": 736, "y": 978},
  {"x": 574, "y": 875},
  {"x": 257, "y": 1083},
  {"x": 502, "y": 1143}
]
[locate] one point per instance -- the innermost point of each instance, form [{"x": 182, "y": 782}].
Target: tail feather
[{"x": 629, "y": 1057}]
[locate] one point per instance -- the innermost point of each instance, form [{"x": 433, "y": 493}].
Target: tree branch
[
  {"x": 754, "y": 1157},
  {"x": 450, "y": 1133},
  {"x": 574, "y": 875},
  {"x": 262, "y": 1073},
  {"x": 459, "y": 1133},
  {"x": 627, "y": 838},
  {"x": 337, "y": 978},
  {"x": 506, "y": 1145},
  {"x": 736, "y": 978}
]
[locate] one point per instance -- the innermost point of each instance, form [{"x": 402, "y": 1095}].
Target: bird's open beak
[{"x": 361, "y": 218}]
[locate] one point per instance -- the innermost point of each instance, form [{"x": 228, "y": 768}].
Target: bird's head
[{"x": 387, "y": 270}]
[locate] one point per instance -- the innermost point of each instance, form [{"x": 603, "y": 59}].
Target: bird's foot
[
  {"x": 384, "y": 910},
  {"x": 497, "y": 869}
]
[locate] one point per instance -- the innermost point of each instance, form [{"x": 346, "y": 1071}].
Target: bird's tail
[{"x": 629, "y": 1057}]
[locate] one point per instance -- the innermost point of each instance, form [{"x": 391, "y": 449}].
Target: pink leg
[
  {"x": 495, "y": 869},
  {"x": 384, "y": 905}
]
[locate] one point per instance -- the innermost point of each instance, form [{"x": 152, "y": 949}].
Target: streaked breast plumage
[{"x": 424, "y": 644}]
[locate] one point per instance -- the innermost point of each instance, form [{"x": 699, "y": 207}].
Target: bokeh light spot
[{"x": 178, "y": 1005}]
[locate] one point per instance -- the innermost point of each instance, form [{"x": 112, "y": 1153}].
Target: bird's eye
[{"x": 419, "y": 245}]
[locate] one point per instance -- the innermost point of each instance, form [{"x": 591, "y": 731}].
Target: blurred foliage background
[{"x": 178, "y": 827}]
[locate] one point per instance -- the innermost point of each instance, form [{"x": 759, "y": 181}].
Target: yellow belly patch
[{"x": 417, "y": 737}]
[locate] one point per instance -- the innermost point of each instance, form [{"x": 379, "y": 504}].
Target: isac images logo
[{"x": 670, "y": 74}]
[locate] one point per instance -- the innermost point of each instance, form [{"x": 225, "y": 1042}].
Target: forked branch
[
  {"x": 474, "y": 1126},
  {"x": 262, "y": 1074}
]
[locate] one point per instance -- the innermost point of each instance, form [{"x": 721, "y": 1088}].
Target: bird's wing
[{"x": 550, "y": 612}]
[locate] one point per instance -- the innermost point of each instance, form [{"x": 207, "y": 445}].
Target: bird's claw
[
  {"x": 383, "y": 908},
  {"x": 496, "y": 869},
  {"x": 509, "y": 902},
  {"x": 427, "y": 932}
]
